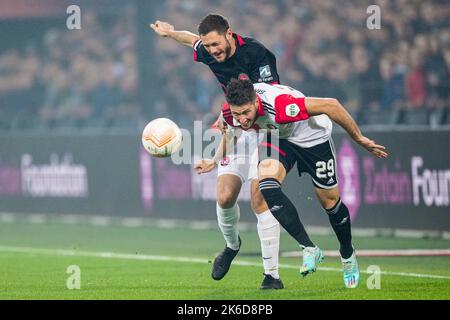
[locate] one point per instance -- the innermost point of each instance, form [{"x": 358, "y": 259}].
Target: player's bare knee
[
  {"x": 328, "y": 197},
  {"x": 226, "y": 200},
  {"x": 329, "y": 201},
  {"x": 228, "y": 188}
]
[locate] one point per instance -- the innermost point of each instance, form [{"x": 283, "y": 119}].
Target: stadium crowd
[
  {"x": 325, "y": 48},
  {"x": 66, "y": 79},
  {"x": 89, "y": 78}
]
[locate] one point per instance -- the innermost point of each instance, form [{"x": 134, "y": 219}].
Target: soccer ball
[{"x": 161, "y": 137}]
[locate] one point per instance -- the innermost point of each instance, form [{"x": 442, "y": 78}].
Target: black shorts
[{"x": 318, "y": 161}]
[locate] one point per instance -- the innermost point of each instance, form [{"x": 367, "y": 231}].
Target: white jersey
[{"x": 283, "y": 108}]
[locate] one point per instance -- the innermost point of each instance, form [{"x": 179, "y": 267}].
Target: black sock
[
  {"x": 340, "y": 221},
  {"x": 284, "y": 211}
]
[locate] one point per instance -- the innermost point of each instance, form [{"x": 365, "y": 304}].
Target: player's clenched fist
[
  {"x": 162, "y": 28},
  {"x": 204, "y": 166}
]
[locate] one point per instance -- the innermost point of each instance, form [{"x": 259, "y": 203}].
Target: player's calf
[{"x": 339, "y": 218}]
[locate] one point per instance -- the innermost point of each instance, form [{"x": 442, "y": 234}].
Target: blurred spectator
[
  {"x": 393, "y": 85},
  {"x": 437, "y": 74},
  {"x": 73, "y": 79},
  {"x": 415, "y": 81}
]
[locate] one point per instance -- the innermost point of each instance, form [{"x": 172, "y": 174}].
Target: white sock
[
  {"x": 269, "y": 235},
  {"x": 228, "y": 221}
]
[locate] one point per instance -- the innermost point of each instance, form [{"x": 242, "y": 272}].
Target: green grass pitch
[{"x": 30, "y": 271}]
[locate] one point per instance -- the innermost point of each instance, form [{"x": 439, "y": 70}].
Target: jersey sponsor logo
[
  {"x": 292, "y": 110},
  {"x": 264, "y": 72}
]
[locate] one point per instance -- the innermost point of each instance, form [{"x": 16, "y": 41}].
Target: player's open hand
[
  {"x": 377, "y": 150},
  {"x": 162, "y": 28},
  {"x": 204, "y": 166}
]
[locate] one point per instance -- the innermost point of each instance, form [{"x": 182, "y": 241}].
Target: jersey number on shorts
[{"x": 325, "y": 169}]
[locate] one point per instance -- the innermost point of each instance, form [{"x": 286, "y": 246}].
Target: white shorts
[{"x": 243, "y": 162}]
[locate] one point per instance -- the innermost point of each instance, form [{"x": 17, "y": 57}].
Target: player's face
[
  {"x": 218, "y": 45},
  {"x": 245, "y": 114}
]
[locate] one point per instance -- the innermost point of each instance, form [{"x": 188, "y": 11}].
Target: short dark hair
[
  {"x": 240, "y": 92},
  {"x": 213, "y": 22}
]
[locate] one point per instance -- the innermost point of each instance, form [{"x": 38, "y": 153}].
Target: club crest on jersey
[
  {"x": 264, "y": 72},
  {"x": 292, "y": 110},
  {"x": 225, "y": 161}
]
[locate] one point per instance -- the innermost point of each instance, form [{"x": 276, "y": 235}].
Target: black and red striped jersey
[{"x": 251, "y": 58}]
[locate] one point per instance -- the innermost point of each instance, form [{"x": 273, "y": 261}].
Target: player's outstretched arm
[
  {"x": 333, "y": 109},
  {"x": 165, "y": 29},
  {"x": 207, "y": 165}
]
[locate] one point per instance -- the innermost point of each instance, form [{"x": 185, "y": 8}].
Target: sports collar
[{"x": 239, "y": 39}]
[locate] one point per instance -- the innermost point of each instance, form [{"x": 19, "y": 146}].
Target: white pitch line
[
  {"x": 129, "y": 256},
  {"x": 381, "y": 253}
]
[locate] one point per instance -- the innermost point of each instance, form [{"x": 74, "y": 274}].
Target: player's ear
[{"x": 229, "y": 34}]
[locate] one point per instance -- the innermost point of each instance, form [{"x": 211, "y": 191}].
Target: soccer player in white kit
[{"x": 299, "y": 134}]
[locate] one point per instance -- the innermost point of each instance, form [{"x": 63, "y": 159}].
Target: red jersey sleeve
[{"x": 290, "y": 109}]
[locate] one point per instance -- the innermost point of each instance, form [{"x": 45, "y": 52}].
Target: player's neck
[{"x": 233, "y": 46}]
